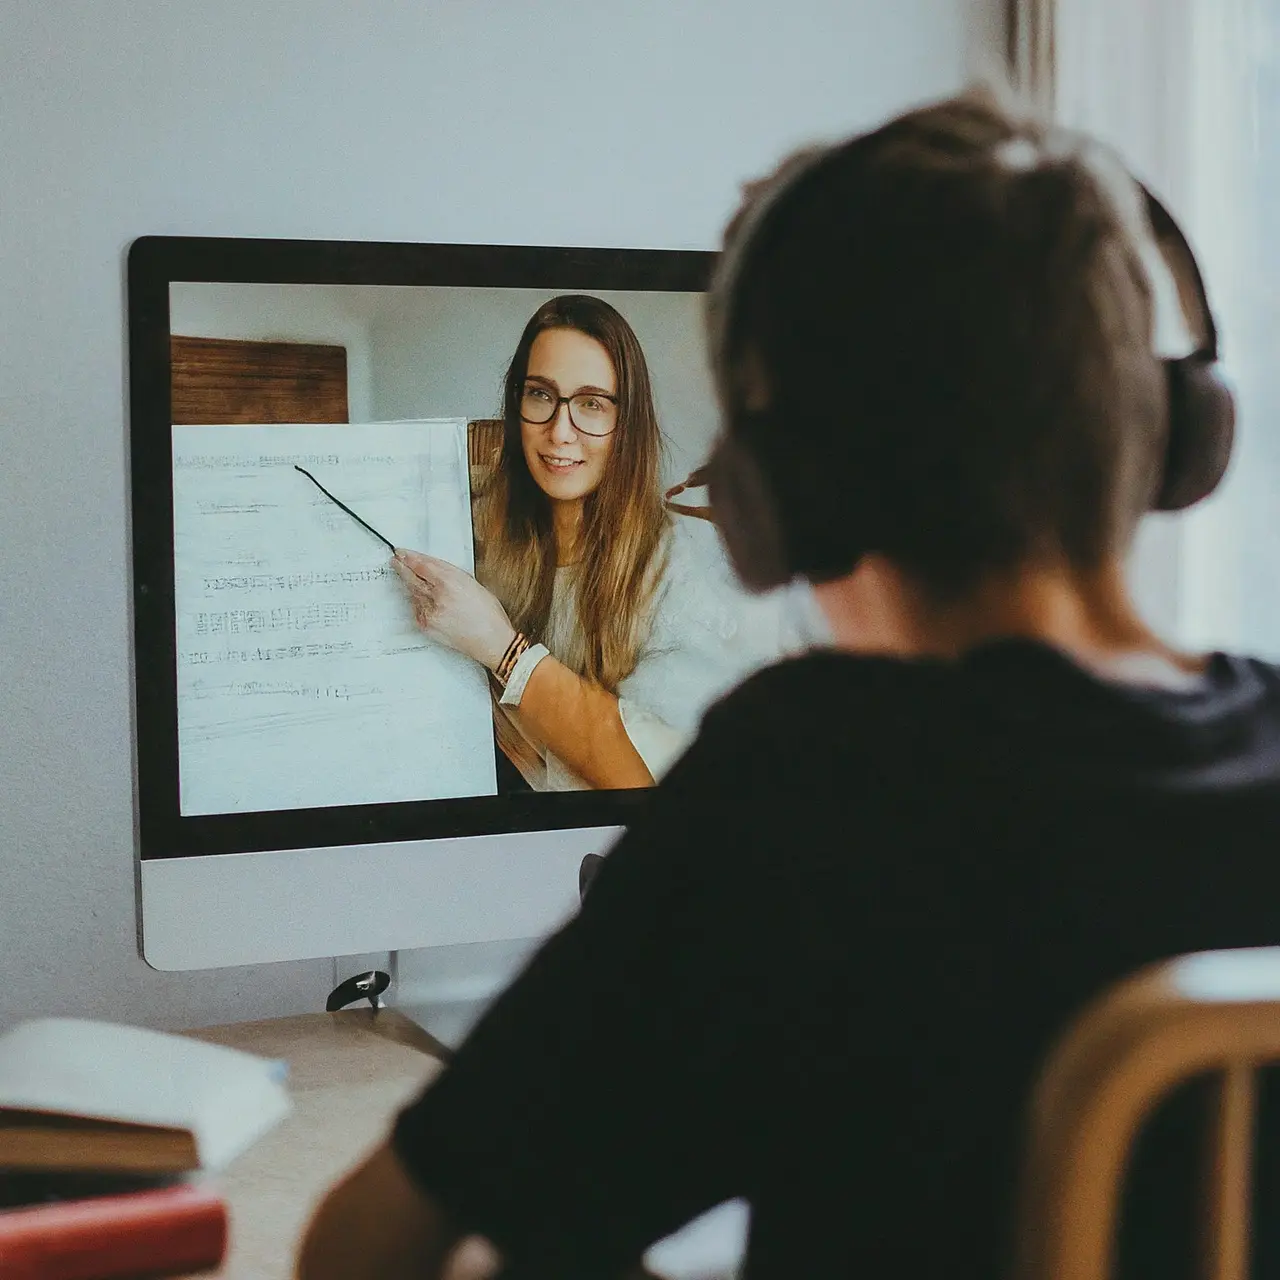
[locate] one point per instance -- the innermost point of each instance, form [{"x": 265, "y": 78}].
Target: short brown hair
[{"x": 955, "y": 326}]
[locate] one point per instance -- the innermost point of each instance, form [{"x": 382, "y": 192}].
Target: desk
[{"x": 350, "y": 1073}]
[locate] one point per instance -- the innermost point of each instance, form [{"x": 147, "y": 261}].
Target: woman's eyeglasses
[{"x": 591, "y": 412}]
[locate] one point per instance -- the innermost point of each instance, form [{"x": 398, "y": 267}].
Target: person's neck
[
  {"x": 1087, "y": 615},
  {"x": 566, "y": 523}
]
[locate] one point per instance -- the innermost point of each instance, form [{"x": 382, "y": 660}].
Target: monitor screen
[{"x": 529, "y": 421}]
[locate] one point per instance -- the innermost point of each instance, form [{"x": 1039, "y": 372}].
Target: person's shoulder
[
  {"x": 694, "y": 587},
  {"x": 825, "y": 674},
  {"x": 690, "y": 548},
  {"x": 791, "y": 748},
  {"x": 827, "y": 700}
]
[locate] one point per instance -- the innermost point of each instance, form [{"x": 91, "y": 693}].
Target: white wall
[{"x": 415, "y": 120}]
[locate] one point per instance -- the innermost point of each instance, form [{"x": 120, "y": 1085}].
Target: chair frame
[{"x": 1213, "y": 1012}]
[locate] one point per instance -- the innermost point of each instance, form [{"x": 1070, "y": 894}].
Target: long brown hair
[{"x": 623, "y": 519}]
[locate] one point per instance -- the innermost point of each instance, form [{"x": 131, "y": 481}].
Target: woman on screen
[{"x": 608, "y": 624}]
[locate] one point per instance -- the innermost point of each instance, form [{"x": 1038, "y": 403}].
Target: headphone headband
[{"x": 1165, "y": 228}]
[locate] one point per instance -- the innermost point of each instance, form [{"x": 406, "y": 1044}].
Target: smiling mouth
[{"x": 558, "y": 464}]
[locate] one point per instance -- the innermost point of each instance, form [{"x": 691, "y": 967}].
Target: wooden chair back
[
  {"x": 1213, "y": 1013},
  {"x": 484, "y": 448}
]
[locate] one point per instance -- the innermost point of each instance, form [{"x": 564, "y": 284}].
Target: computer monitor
[{"x": 317, "y": 775}]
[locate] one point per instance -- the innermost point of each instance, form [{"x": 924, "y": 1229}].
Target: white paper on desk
[{"x": 303, "y": 680}]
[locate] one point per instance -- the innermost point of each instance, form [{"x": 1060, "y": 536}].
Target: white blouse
[{"x": 706, "y": 634}]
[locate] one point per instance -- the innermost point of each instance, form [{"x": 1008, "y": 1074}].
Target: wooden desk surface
[{"x": 350, "y": 1073}]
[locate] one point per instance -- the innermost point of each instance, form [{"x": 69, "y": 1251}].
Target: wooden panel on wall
[{"x": 236, "y": 380}]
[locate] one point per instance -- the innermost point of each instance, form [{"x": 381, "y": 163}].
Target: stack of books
[{"x": 110, "y": 1138}]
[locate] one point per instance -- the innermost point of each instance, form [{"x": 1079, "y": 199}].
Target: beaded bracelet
[{"x": 506, "y": 665}]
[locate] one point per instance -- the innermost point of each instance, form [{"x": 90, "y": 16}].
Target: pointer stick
[{"x": 344, "y": 506}]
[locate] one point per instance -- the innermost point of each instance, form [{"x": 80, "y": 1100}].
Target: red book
[{"x": 165, "y": 1231}]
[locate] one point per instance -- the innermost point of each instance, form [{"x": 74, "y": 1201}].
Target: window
[
  {"x": 1189, "y": 91},
  {"x": 1231, "y": 596}
]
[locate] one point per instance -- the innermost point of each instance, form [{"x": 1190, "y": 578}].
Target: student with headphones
[{"x": 819, "y": 973}]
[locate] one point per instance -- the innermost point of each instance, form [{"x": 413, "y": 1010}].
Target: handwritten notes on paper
[{"x": 303, "y": 680}]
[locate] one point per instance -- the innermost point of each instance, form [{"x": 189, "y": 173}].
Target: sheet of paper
[{"x": 303, "y": 680}]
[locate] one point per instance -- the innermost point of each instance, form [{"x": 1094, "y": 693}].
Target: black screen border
[{"x": 156, "y": 262}]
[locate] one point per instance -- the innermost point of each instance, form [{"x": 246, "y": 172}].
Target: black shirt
[{"x": 821, "y": 969}]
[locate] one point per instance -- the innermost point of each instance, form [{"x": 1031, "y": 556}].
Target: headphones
[{"x": 772, "y": 527}]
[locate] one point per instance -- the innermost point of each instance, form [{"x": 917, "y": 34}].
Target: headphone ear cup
[
  {"x": 1202, "y": 421},
  {"x": 745, "y": 509}
]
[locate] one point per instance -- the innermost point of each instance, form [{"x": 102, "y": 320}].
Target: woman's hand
[{"x": 452, "y": 607}]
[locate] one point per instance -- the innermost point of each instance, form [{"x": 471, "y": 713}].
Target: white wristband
[{"x": 521, "y": 672}]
